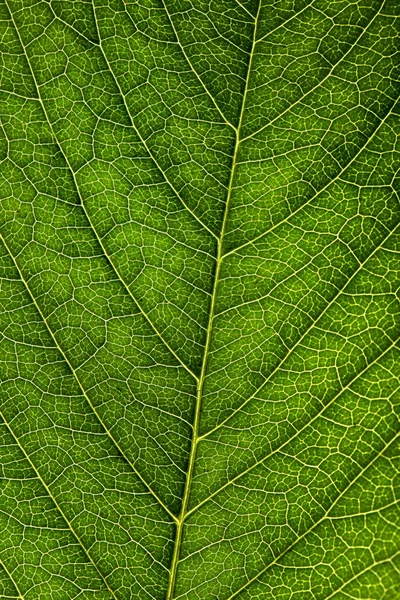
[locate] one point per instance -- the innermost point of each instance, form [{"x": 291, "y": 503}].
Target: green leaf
[{"x": 200, "y": 316}]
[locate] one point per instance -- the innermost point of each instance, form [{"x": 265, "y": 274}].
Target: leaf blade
[{"x": 201, "y": 201}]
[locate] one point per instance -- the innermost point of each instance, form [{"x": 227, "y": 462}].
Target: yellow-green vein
[{"x": 200, "y": 385}]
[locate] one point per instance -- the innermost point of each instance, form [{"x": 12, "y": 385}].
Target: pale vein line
[
  {"x": 314, "y": 323},
  {"x": 86, "y": 552},
  {"x": 323, "y": 518},
  {"x": 20, "y": 595},
  {"x": 200, "y": 387},
  {"x": 360, "y": 573},
  {"x": 225, "y": 120},
  {"x": 5, "y": 91},
  {"x": 284, "y": 23},
  {"x": 107, "y": 431},
  {"x": 309, "y": 261},
  {"x": 366, "y": 513},
  {"x": 114, "y": 268},
  {"x": 79, "y": 33},
  {"x": 298, "y": 431},
  {"x": 337, "y": 177},
  {"x": 342, "y": 58},
  {"x": 142, "y": 138},
  {"x": 203, "y": 85},
  {"x": 245, "y": 9}
]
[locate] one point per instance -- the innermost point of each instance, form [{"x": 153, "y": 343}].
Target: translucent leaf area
[{"x": 200, "y": 306}]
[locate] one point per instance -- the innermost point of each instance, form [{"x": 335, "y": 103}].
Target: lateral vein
[
  {"x": 143, "y": 141},
  {"x": 108, "y": 258},
  {"x": 11, "y": 578},
  {"x": 301, "y": 338},
  {"x": 330, "y": 72},
  {"x": 87, "y": 553},
  {"x": 323, "y": 518},
  {"x": 298, "y": 431},
  {"x": 74, "y": 373},
  {"x": 207, "y": 91},
  {"x": 337, "y": 177}
]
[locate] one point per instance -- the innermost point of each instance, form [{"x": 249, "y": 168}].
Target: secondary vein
[
  {"x": 74, "y": 373},
  {"x": 320, "y": 520},
  {"x": 142, "y": 139},
  {"x": 11, "y": 578},
  {"x": 73, "y": 175},
  {"x": 337, "y": 177},
  {"x": 103, "y": 578},
  {"x": 306, "y": 425},
  {"x": 313, "y": 323},
  {"x": 322, "y": 81}
]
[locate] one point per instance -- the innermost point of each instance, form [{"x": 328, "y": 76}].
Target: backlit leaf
[{"x": 200, "y": 317}]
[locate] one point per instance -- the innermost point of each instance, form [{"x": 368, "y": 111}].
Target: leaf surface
[{"x": 200, "y": 315}]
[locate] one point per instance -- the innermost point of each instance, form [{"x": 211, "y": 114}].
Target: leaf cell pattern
[{"x": 200, "y": 314}]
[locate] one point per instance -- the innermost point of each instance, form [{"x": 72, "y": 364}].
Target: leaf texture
[{"x": 200, "y": 317}]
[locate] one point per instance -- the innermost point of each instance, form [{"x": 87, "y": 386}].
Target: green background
[{"x": 200, "y": 314}]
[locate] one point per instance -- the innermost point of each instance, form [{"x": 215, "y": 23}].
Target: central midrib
[{"x": 200, "y": 385}]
